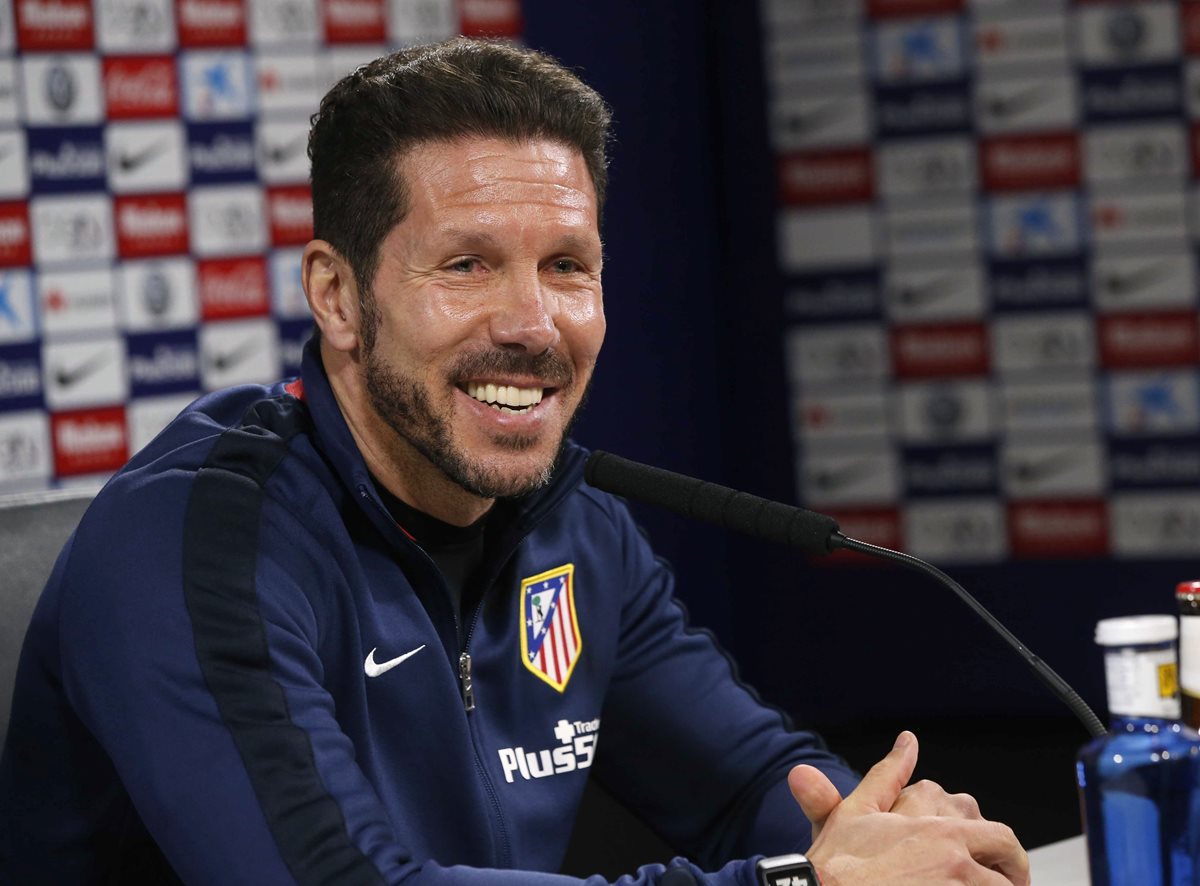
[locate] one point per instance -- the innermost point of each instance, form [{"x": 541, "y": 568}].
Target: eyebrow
[{"x": 476, "y": 239}]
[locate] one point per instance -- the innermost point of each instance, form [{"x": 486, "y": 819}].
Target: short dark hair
[{"x": 438, "y": 92}]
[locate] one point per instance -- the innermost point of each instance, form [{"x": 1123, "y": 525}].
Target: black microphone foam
[{"x": 738, "y": 511}]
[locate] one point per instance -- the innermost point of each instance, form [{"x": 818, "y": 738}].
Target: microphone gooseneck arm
[{"x": 815, "y": 534}]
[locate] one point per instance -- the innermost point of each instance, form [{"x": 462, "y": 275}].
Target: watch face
[{"x": 793, "y": 870}]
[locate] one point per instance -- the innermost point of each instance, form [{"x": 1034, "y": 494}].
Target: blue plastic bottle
[{"x": 1139, "y": 786}]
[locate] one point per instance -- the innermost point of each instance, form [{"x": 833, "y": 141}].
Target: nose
[{"x": 525, "y": 315}]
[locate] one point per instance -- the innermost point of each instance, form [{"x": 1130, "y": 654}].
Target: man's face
[{"x": 488, "y": 314}]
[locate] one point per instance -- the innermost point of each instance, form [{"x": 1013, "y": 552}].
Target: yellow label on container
[{"x": 1168, "y": 680}]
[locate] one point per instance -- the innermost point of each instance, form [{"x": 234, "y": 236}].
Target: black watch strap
[{"x": 786, "y": 870}]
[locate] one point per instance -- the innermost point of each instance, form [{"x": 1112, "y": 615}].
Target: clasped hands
[{"x": 890, "y": 832}]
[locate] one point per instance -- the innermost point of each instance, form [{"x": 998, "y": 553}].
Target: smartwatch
[{"x": 786, "y": 870}]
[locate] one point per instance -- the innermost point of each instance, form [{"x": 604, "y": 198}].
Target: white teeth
[{"x": 501, "y": 396}]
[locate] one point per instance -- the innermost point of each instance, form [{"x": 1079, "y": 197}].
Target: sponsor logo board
[
  {"x": 21, "y": 376},
  {"x": 1155, "y": 524},
  {"x": 808, "y": 178},
  {"x": 1038, "y": 470},
  {"x": 1058, "y": 528},
  {"x": 491, "y": 18},
  {"x": 826, "y": 238},
  {"x": 1044, "y": 283},
  {"x": 220, "y": 153},
  {"x": 71, "y": 229},
  {"x": 140, "y": 87},
  {"x": 14, "y": 164},
  {"x": 1134, "y": 93},
  {"x": 914, "y": 50},
  {"x": 1137, "y": 282},
  {"x": 955, "y": 530},
  {"x": 211, "y": 23},
  {"x": 15, "y": 235},
  {"x": 421, "y": 21},
  {"x": 931, "y": 351},
  {"x": 1034, "y": 225},
  {"x": 846, "y": 476},
  {"x": 89, "y": 441},
  {"x": 1030, "y": 162},
  {"x": 163, "y": 363},
  {"x": 157, "y": 295},
  {"x": 293, "y": 335},
  {"x": 76, "y": 301},
  {"x": 1132, "y": 219},
  {"x": 18, "y": 319},
  {"x": 1163, "y": 338},
  {"x": 824, "y": 414},
  {"x": 238, "y": 352},
  {"x": 53, "y": 25},
  {"x": 289, "y": 215},
  {"x": 61, "y": 90},
  {"x": 145, "y": 157},
  {"x": 287, "y": 81},
  {"x": 1166, "y": 402},
  {"x": 942, "y": 228},
  {"x": 1154, "y": 464},
  {"x": 149, "y": 226},
  {"x": 942, "y": 291},
  {"x": 1042, "y": 343},
  {"x": 1137, "y": 153},
  {"x": 355, "y": 21},
  {"x": 135, "y": 26},
  {"x": 1005, "y": 103},
  {"x": 1039, "y": 405},
  {"x": 942, "y": 471},
  {"x": 1127, "y": 34},
  {"x": 924, "y": 109},
  {"x": 1007, "y": 45},
  {"x": 946, "y": 412},
  {"x": 216, "y": 85},
  {"x": 834, "y": 118},
  {"x": 847, "y": 295},
  {"x": 84, "y": 373},
  {"x": 25, "y": 455},
  {"x": 842, "y": 352},
  {"x": 276, "y": 22},
  {"x": 64, "y": 160},
  {"x": 226, "y": 220},
  {"x": 926, "y": 167},
  {"x": 282, "y": 151},
  {"x": 230, "y": 288}
]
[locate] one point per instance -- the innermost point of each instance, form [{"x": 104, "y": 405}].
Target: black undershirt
[{"x": 456, "y": 550}]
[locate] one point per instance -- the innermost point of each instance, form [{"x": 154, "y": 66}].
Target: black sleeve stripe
[{"x": 219, "y": 560}]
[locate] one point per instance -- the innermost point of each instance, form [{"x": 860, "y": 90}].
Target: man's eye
[
  {"x": 566, "y": 265},
  {"x": 464, "y": 265}
]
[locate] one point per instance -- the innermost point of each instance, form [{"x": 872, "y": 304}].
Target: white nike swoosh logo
[{"x": 374, "y": 669}]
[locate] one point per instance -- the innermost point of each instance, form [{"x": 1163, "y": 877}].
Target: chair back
[{"x": 33, "y": 528}]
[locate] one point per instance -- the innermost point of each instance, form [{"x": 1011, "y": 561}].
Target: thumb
[
  {"x": 815, "y": 793},
  {"x": 881, "y": 787}
]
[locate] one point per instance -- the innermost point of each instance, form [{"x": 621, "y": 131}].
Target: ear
[{"x": 332, "y": 295}]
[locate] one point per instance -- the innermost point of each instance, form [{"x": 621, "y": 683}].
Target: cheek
[{"x": 582, "y": 324}]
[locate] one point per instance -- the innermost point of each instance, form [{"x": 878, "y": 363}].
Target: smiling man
[{"x": 370, "y": 625}]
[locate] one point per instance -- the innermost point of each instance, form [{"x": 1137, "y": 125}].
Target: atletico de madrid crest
[{"x": 550, "y": 641}]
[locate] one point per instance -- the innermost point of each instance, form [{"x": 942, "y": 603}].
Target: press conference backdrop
[
  {"x": 154, "y": 200},
  {"x": 988, "y": 226}
]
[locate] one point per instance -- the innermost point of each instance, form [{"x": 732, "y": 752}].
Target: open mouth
[{"x": 506, "y": 398}]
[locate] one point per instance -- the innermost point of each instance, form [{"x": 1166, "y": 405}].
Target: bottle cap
[
  {"x": 1136, "y": 630},
  {"x": 1187, "y": 589}
]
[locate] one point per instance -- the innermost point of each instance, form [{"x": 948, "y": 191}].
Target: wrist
[{"x": 786, "y": 870}]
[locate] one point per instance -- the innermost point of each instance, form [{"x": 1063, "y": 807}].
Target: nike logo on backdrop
[{"x": 374, "y": 669}]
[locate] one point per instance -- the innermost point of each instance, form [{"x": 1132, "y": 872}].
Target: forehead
[{"x": 473, "y": 173}]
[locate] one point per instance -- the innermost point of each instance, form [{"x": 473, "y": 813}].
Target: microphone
[{"x": 813, "y": 533}]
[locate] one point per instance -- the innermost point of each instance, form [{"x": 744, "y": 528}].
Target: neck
[{"x": 394, "y": 462}]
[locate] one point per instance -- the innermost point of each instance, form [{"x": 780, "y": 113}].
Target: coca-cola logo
[{"x": 140, "y": 87}]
